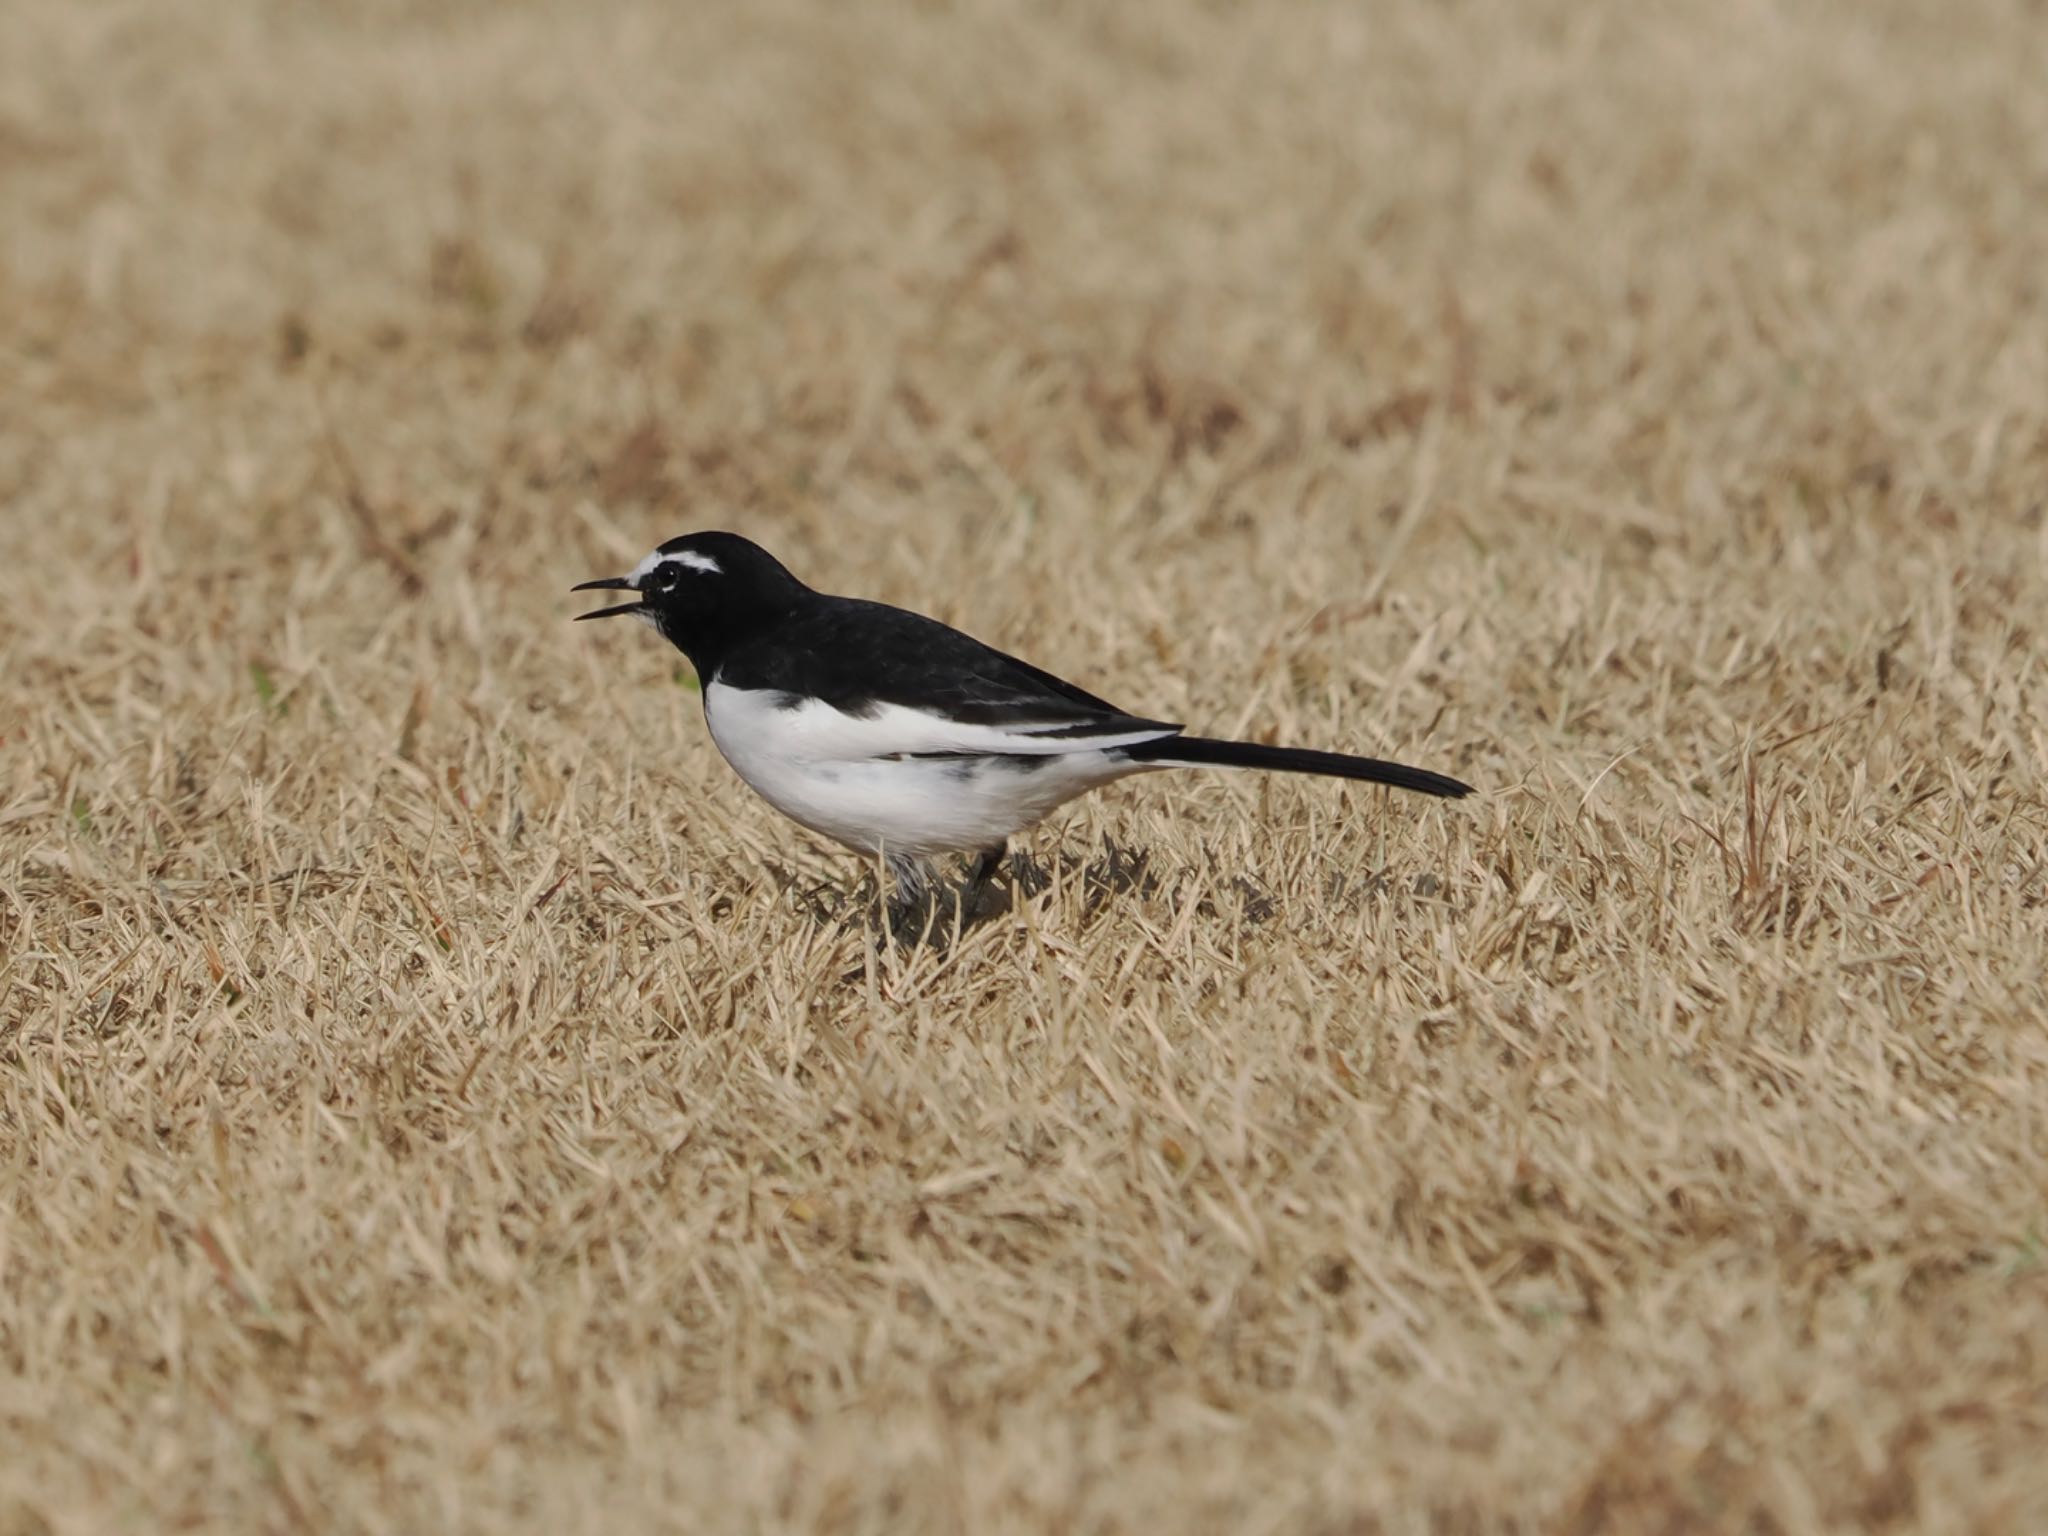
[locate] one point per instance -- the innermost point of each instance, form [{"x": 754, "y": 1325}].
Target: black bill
[{"x": 608, "y": 584}]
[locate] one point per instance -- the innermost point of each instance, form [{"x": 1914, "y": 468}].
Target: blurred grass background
[{"x": 434, "y": 1094}]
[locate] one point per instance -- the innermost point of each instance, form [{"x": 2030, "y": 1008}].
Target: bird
[{"x": 899, "y": 736}]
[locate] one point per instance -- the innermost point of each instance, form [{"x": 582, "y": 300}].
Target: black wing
[{"x": 858, "y": 655}]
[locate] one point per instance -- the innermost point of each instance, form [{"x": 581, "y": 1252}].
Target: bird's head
[{"x": 703, "y": 591}]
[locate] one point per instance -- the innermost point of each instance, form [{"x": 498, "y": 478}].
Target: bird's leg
[
  {"x": 909, "y": 875},
  {"x": 986, "y": 865},
  {"x": 908, "y": 905},
  {"x": 977, "y": 902}
]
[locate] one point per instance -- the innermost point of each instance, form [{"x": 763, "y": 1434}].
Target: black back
[
  {"x": 753, "y": 625},
  {"x": 855, "y": 655}
]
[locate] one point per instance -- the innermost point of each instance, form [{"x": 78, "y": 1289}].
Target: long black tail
[{"x": 1202, "y": 751}]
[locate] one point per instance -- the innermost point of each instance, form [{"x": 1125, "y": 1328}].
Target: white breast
[{"x": 853, "y": 778}]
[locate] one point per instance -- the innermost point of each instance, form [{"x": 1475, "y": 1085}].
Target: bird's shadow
[{"x": 947, "y": 910}]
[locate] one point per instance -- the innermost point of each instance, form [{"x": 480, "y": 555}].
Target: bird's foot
[
  {"x": 980, "y": 898},
  {"x": 925, "y": 910}
]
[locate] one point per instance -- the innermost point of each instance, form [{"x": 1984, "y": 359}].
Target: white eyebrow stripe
[{"x": 689, "y": 559}]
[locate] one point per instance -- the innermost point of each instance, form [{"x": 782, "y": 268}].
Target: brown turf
[{"x": 434, "y": 1095}]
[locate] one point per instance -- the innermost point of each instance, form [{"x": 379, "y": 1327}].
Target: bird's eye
[{"x": 661, "y": 578}]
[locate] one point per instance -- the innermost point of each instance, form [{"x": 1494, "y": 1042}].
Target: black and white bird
[{"x": 895, "y": 734}]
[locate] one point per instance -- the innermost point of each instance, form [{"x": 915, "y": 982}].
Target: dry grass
[{"x": 429, "y": 1099}]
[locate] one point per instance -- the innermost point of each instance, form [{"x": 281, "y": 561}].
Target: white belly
[{"x": 851, "y": 778}]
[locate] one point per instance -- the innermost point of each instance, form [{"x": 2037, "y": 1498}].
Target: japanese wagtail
[{"x": 897, "y": 735}]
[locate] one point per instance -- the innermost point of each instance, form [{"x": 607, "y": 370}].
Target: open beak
[{"x": 608, "y": 584}]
